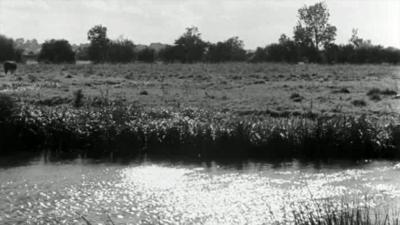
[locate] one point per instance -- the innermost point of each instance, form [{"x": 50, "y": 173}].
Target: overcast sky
[{"x": 256, "y": 22}]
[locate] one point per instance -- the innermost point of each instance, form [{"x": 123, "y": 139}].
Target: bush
[
  {"x": 375, "y": 93},
  {"x": 229, "y": 50},
  {"x": 144, "y": 92},
  {"x": 342, "y": 91},
  {"x": 170, "y": 54},
  {"x": 388, "y": 92},
  {"x": 7, "y": 107},
  {"x": 146, "y": 55},
  {"x": 8, "y": 50},
  {"x": 375, "y": 97},
  {"x": 120, "y": 51},
  {"x": 78, "y": 98},
  {"x": 359, "y": 103},
  {"x": 57, "y": 51},
  {"x": 296, "y": 97},
  {"x": 260, "y": 55}
]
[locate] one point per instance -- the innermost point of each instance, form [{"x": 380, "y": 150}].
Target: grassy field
[
  {"x": 207, "y": 110},
  {"x": 240, "y": 88}
]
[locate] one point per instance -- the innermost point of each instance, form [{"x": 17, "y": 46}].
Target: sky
[{"x": 256, "y": 22}]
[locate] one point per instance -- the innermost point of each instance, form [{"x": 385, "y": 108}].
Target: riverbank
[{"x": 115, "y": 129}]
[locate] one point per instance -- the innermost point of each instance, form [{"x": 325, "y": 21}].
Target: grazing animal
[{"x": 9, "y": 66}]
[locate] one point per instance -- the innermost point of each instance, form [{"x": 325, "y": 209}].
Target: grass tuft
[
  {"x": 359, "y": 103},
  {"x": 143, "y": 92},
  {"x": 78, "y": 98},
  {"x": 296, "y": 97}
]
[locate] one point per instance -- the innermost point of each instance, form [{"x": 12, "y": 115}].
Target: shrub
[
  {"x": 260, "y": 55},
  {"x": 146, "y": 55},
  {"x": 374, "y": 91},
  {"x": 121, "y": 51},
  {"x": 8, "y": 50},
  {"x": 57, "y": 51},
  {"x": 359, "y": 103},
  {"x": 229, "y": 50},
  {"x": 296, "y": 97},
  {"x": 388, "y": 92},
  {"x": 78, "y": 98},
  {"x": 144, "y": 92},
  {"x": 7, "y": 106},
  {"x": 342, "y": 90},
  {"x": 375, "y": 97},
  {"x": 170, "y": 54}
]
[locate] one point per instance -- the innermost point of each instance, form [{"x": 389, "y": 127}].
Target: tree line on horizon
[{"x": 312, "y": 41}]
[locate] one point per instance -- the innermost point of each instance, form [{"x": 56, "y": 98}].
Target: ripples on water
[{"x": 145, "y": 193}]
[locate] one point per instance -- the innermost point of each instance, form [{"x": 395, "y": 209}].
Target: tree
[
  {"x": 82, "y": 52},
  {"x": 170, "y": 54},
  {"x": 358, "y": 42},
  {"x": 121, "y": 51},
  {"x": 146, "y": 55},
  {"x": 98, "y": 43},
  {"x": 313, "y": 29},
  {"x": 260, "y": 55},
  {"x": 190, "y": 46},
  {"x": 284, "y": 51},
  {"x": 57, "y": 51},
  {"x": 8, "y": 51},
  {"x": 229, "y": 50}
]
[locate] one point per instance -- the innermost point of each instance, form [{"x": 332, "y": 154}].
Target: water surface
[{"x": 41, "y": 192}]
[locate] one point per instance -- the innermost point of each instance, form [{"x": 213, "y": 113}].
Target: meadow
[
  {"x": 204, "y": 110},
  {"x": 240, "y": 88}
]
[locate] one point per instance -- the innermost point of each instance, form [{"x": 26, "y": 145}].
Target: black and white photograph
[{"x": 200, "y": 112}]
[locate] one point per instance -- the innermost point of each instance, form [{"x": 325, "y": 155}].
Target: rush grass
[{"x": 122, "y": 130}]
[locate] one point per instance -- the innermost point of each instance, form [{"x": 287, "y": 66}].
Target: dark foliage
[
  {"x": 98, "y": 47},
  {"x": 190, "y": 47},
  {"x": 78, "y": 98},
  {"x": 359, "y": 103},
  {"x": 120, "y": 51},
  {"x": 229, "y": 50},
  {"x": 367, "y": 54},
  {"x": 7, "y": 107},
  {"x": 146, "y": 55},
  {"x": 8, "y": 50},
  {"x": 57, "y": 51},
  {"x": 121, "y": 130},
  {"x": 260, "y": 55},
  {"x": 170, "y": 54}
]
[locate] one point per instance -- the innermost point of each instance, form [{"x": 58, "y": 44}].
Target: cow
[{"x": 9, "y": 66}]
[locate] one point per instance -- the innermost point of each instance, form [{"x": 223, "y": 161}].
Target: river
[{"x": 175, "y": 192}]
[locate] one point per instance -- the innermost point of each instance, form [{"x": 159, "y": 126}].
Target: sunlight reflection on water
[{"x": 182, "y": 193}]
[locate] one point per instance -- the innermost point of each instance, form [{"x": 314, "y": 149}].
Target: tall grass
[
  {"x": 346, "y": 215},
  {"x": 329, "y": 213},
  {"x": 125, "y": 130}
]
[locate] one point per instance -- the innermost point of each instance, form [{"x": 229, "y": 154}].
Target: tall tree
[
  {"x": 358, "y": 42},
  {"x": 98, "y": 43},
  {"x": 190, "y": 46},
  {"x": 313, "y": 29}
]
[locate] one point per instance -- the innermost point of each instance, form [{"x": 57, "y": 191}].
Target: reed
[
  {"x": 355, "y": 215},
  {"x": 126, "y": 130}
]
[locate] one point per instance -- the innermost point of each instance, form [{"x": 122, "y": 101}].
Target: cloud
[{"x": 257, "y": 22}]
